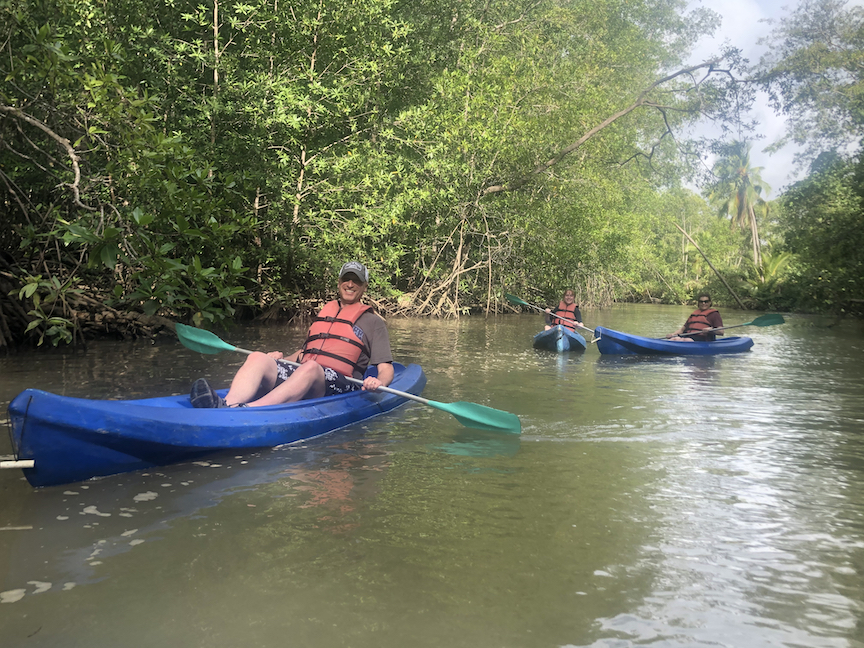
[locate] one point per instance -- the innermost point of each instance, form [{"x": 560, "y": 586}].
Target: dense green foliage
[
  {"x": 815, "y": 76},
  {"x": 824, "y": 228},
  {"x": 190, "y": 160}
]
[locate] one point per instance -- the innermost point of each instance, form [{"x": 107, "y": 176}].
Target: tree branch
[
  {"x": 711, "y": 265},
  {"x": 641, "y": 100},
  {"x": 70, "y": 151}
]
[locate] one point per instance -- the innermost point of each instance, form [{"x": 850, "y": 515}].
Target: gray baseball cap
[{"x": 357, "y": 268}]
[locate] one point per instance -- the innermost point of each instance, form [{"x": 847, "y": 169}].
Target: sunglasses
[{"x": 704, "y": 301}]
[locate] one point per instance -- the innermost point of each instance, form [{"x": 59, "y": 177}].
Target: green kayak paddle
[
  {"x": 513, "y": 299},
  {"x": 468, "y": 414},
  {"x": 762, "y": 320}
]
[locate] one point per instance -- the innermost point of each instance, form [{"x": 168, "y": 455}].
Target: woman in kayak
[
  {"x": 701, "y": 324},
  {"x": 567, "y": 309},
  {"x": 345, "y": 338}
]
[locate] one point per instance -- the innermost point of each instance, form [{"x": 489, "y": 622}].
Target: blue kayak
[
  {"x": 616, "y": 343},
  {"x": 71, "y": 439},
  {"x": 559, "y": 338}
]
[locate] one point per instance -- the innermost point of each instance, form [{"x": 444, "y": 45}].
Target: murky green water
[{"x": 654, "y": 502}]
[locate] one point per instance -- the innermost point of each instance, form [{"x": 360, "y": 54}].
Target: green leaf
[
  {"x": 110, "y": 233},
  {"x": 109, "y": 254},
  {"x": 28, "y": 290}
]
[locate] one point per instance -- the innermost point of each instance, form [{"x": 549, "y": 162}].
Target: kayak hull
[
  {"x": 611, "y": 342},
  {"x": 72, "y": 439},
  {"x": 559, "y": 339}
]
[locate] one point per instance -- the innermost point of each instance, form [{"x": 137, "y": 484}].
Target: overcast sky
[{"x": 744, "y": 23}]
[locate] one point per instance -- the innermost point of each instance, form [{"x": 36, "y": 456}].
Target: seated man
[
  {"x": 345, "y": 338},
  {"x": 700, "y": 324}
]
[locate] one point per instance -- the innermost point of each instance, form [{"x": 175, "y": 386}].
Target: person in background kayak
[
  {"x": 345, "y": 338},
  {"x": 568, "y": 309},
  {"x": 702, "y": 321}
]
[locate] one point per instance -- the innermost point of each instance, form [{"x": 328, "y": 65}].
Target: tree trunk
[{"x": 719, "y": 276}]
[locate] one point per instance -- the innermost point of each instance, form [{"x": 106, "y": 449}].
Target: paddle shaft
[
  {"x": 470, "y": 414},
  {"x": 719, "y": 328},
  {"x": 563, "y": 319}
]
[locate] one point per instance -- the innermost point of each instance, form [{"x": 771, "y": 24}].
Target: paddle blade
[
  {"x": 200, "y": 340},
  {"x": 513, "y": 299},
  {"x": 481, "y": 417},
  {"x": 768, "y": 320}
]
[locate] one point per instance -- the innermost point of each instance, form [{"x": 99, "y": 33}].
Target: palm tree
[{"x": 738, "y": 193}]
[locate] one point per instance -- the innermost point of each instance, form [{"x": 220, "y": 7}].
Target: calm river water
[{"x": 649, "y": 502}]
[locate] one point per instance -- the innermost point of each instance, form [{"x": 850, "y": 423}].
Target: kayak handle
[{"x": 23, "y": 463}]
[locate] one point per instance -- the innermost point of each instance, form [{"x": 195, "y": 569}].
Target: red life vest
[
  {"x": 698, "y": 321},
  {"x": 332, "y": 342},
  {"x": 567, "y": 311}
]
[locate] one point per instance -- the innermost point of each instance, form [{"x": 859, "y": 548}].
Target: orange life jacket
[
  {"x": 698, "y": 321},
  {"x": 332, "y": 342},
  {"x": 567, "y": 311}
]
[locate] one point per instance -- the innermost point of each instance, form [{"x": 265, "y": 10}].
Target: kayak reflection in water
[{"x": 701, "y": 325}]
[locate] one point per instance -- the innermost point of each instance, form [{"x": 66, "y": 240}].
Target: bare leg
[
  {"x": 307, "y": 381},
  {"x": 257, "y": 373}
]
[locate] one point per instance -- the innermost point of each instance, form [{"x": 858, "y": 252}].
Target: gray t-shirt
[{"x": 376, "y": 341}]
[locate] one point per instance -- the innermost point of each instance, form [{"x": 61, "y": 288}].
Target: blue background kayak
[
  {"x": 617, "y": 343},
  {"x": 559, "y": 338}
]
